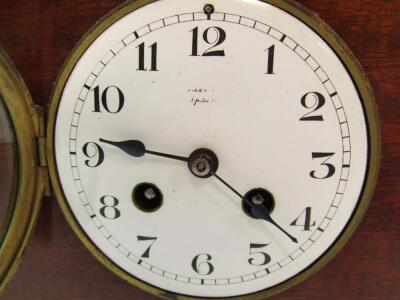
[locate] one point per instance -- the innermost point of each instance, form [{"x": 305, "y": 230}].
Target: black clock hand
[
  {"x": 258, "y": 210},
  {"x": 138, "y": 149}
]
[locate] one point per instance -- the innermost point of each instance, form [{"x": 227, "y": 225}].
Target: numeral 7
[{"x": 152, "y": 240}]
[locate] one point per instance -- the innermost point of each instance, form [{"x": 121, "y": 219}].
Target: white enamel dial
[{"x": 249, "y": 82}]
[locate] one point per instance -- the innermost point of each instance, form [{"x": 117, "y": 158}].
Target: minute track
[
  {"x": 257, "y": 26},
  {"x": 195, "y": 15}
]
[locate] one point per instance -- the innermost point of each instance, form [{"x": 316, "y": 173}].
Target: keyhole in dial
[
  {"x": 147, "y": 197},
  {"x": 259, "y": 196}
]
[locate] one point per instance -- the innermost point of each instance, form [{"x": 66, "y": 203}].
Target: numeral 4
[{"x": 304, "y": 220}]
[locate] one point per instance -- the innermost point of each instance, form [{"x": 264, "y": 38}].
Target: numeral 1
[
  {"x": 142, "y": 57},
  {"x": 271, "y": 58}
]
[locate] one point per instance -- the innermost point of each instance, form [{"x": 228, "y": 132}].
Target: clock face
[{"x": 210, "y": 150}]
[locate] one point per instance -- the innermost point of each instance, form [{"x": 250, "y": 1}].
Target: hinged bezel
[
  {"x": 41, "y": 147},
  {"x": 30, "y": 178}
]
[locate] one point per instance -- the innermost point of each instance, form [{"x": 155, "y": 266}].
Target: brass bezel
[
  {"x": 354, "y": 69},
  {"x": 30, "y": 180}
]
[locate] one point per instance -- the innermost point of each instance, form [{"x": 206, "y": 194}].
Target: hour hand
[{"x": 137, "y": 148}]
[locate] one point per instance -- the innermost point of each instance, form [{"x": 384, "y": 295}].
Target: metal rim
[
  {"x": 370, "y": 111},
  {"x": 29, "y": 181}
]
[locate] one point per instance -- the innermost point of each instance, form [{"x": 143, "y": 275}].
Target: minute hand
[
  {"x": 136, "y": 148},
  {"x": 258, "y": 210}
]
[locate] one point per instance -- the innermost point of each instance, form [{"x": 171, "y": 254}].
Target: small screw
[
  {"x": 257, "y": 199},
  {"x": 208, "y": 9},
  {"x": 201, "y": 167},
  {"x": 150, "y": 194}
]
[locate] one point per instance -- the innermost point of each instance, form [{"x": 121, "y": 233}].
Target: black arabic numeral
[
  {"x": 266, "y": 259},
  {"x": 203, "y": 267},
  {"x": 271, "y": 59},
  {"x": 110, "y": 94},
  {"x": 330, "y": 168},
  {"x": 195, "y": 41},
  {"x": 314, "y": 101},
  {"x": 152, "y": 240},
  {"x": 220, "y": 37},
  {"x": 95, "y": 154},
  {"x": 142, "y": 51},
  {"x": 109, "y": 209},
  {"x": 306, "y": 217}
]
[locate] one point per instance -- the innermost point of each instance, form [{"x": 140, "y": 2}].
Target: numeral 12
[{"x": 220, "y": 37}]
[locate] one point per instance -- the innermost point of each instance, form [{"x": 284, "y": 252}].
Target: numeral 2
[
  {"x": 220, "y": 37},
  {"x": 319, "y": 102}
]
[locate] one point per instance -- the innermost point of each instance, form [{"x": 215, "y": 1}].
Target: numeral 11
[{"x": 142, "y": 57}]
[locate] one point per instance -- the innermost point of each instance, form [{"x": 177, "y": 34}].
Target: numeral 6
[{"x": 203, "y": 267}]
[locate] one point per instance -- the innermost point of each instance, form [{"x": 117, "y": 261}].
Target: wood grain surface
[{"x": 39, "y": 34}]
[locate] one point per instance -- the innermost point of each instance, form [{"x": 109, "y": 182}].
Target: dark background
[{"x": 39, "y": 34}]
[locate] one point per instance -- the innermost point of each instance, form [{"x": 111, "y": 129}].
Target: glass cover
[{"x": 7, "y": 167}]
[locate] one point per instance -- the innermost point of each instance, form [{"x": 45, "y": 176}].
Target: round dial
[{"x": 209, "y": 150}]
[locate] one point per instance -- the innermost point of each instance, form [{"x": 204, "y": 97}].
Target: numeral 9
[{"x": 95, "y": 153}]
